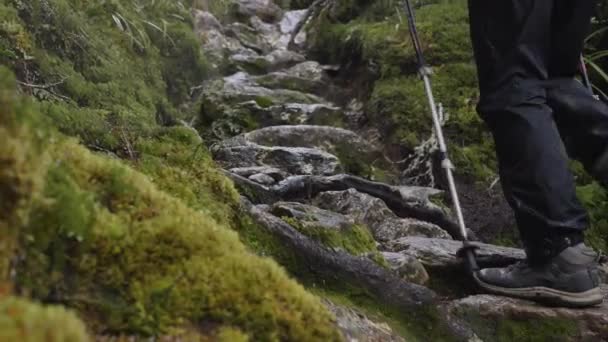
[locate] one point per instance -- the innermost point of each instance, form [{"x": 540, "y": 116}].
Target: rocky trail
[{"x": 308, "y": 171}]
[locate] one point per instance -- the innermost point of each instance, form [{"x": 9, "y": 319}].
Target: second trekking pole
[{"x": 467, "y": 252}]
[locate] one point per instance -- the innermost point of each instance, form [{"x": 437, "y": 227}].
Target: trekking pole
[{"x": 468, "y": 249}]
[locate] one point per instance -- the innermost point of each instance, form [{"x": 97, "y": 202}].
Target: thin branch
[{"x": 43, "y": 86}]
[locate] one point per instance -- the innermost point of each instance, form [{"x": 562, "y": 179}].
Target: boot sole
[{"x": 547, "y": 295}]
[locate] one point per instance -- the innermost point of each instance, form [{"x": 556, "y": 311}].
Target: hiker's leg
[
  {"x": 583, "y": 123},
  {"x": 582, "y": 120},
  {"x": 512, "y": 42}
]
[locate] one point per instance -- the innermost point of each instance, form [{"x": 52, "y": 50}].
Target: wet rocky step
[
  {"x": 356, "y": 326},
  {"x": 441, "y": 253},
  {"x": 494, "y": 318},
  {"x": 373, "y": 212},
  {"x": 404, "y": 201},
  {"x": 241, "y": 87},
  {"x": 447, "y": 273},
  {"x": 257, "y": 42},
  {"x": 296, "y": 150},
  {"x": 291, "y": 114},
  {"x": 446, "y": 270}
]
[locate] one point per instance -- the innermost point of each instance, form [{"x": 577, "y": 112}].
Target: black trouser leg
[
  {"x": 583, "y": 123},
  {"x": 513, "y": 50},
  {"x": 582, "y": 120}
]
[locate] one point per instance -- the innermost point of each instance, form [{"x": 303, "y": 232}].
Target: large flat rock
[
  {"x": 442, "y": 253},
  {"x": 372, "y": 211},
  {"x": 494, "y": 318},
  {"x": 290, "y": 160}
]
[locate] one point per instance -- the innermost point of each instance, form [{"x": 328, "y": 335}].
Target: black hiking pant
[{"x": 527, "y": 54}]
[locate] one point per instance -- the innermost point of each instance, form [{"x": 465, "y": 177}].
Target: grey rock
[
  {"x": 330, "y": 139},
  {"x": 372, "y": 211},
  {"x": 266, "y": 10},
  {"x": 262, "y": 178},
  {"x": 205, "y": 21},
  {"x": 216, "y": 45},
  {"x": 275, "y": 60},
  {"x": 494, "y": 318},
  {"x": 441, "y": 253},
  {"x": 240, "y": 87},
  {"x": 356, "y": 326},
  {"x": 360, "y": 272},
  {"x": 278, "y": 36},
  {"x": 292, "y": 160},
  {"x": 407, "y": 267},
  {"x": 603, "y": 270},
  {"x": 291, "y": 28},
  {"x": 248, "y": 37},
  {"x": 290, "y": 114},
  {"x": 402, "y": 200},
  {"x": 307, "y": 77},
  {"x": 310, "y": 216},
  {"x": 275, "y": 173}
]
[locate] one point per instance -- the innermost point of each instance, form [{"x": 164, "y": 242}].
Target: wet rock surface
[
  {"x": 357, "y": 327},
  {"x": 493, "y": 318},
  {"x": 441, "y": 253},
  {"x": 372, "y": 211}
]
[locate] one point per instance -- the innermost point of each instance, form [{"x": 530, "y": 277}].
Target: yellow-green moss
[
  {"x": 107, "y": 97},
  {"x": 133, "y": 258},
  {"x": 24, "y": 321},
  {"x": 595, "y": 199},
  {"x": 231, "y": 335},
  {"x": 535, "y": 330},
  {"x": 178, "y": 163},
  {"x": 22, "y": 167},
  {"x": 103, "y": 239},
  {"x": 355, "y": 239}
]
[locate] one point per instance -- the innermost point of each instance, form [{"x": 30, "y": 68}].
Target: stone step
[
  {"x": 441, "y": 253},
  {"x": 372, "y": 211},
  {"x": 494, "y": 318}
]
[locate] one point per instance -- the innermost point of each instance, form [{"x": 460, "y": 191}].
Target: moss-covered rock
[
  {"x": 505, "y": 319},
  {"x": 107, "y": 242},
  {"x": 26, "y": 321},
  {"x": 355, "y": 239}
]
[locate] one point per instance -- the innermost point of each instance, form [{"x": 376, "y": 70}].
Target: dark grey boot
[{"x": 568, "y": 279}]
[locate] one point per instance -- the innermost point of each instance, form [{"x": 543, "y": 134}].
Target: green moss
[
  {"x": 356, "y": 33},
  {"x": 595, "y": 198},
  {"x": 177, "y": 162},
  {"x": 23, "y": 165},
  {"x": 142, "y": 261},
  {"x": 231, "y": 335},
  {"x": 26, "y": 321},
  {"x": 419, "y": 325},
  {"x": 264, "y": 102},
  {"x": 101, "y": 238},
  {"x": 105, "y": 96},
  {"x": 535, "y": 330},
  {"x": 355, "y": 239}
]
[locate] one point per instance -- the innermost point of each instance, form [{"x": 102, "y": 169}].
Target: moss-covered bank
[
  {"x": 136, "y": 254},
  {"x": 25, "y": 321},
  {"x": 100, "y": 237}
]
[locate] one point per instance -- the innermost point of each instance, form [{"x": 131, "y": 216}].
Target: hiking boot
[{"x": 569, "y": 279}]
